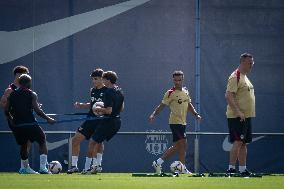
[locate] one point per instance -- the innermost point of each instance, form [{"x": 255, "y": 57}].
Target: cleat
[
  {"x": 86, "y": 171},
  {"x": 73, "y": 169},
  {"x": 231, "y": 171},
  {"x": 44, "y": 171},
  {"x": 27, "y": 170},
  {"x": 99, "y": 168},
  {"x": 96, "y": 169},
  {"x": 186, "y": 171},
  {"x": 22, "y": 170},
  {"x": 246, "y": 173},
  {"x": 175, "y": 174},
  {"x": 158, "y": 168}
]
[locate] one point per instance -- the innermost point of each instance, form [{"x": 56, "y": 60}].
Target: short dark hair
[
  {"x": 111, "y": 76},
  {"x": 178, "y": 73},
  {"x": 21, "y": 70},
  {"x": 244, "y": 56},
  {"x": 25, "y": 80},
  {"x": 97, "y": 72}
]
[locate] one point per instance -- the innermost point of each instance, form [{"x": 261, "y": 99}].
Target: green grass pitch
[{"x": 126, "y": 181}]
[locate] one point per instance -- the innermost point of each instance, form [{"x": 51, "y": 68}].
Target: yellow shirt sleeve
[
  {"x": 166, "y": 99},
  {"x": 232, "y": 85}
]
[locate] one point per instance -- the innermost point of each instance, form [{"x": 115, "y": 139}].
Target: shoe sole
[{"x": 72, "y": 172}]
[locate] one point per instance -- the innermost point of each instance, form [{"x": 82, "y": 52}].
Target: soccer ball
[
  {"x": 177, "y": 167},
  {"x": 97, "y": 105},
  {"x": 55, "y": 167}
]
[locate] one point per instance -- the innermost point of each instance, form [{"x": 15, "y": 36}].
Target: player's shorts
[
  {"x": 178, "y": 131},
  {"x": 240, "y": 130},
  {"x": 107, "y": 129},
  {"x": 14, "y": 131},
  {"x": 88, "y": 128},
  {"x": 33, "y": 133}
]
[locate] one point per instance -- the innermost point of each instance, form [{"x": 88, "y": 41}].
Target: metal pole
[
  {"x": 70, "y": 151},
  {"x": 196, "y": 154},
  {"x": 197, "y": 82}
]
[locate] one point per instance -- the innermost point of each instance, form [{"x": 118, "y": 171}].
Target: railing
[{"x": 71, "y": 133}]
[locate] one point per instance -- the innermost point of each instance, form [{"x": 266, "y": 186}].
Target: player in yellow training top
[
  {"x": 240, "y": 109},
  {"x": 179, "y": 102}
]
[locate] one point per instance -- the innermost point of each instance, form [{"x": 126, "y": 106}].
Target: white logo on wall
[
  {"x": 156, "y": 143},
  {"x": 227, "y": 146},
  {"x": 57, "y": 144},
  {"x": 22, "y": 42}
]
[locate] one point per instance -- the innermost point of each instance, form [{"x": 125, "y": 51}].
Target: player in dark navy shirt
[
  {"x": 114, "y": 98},
  {"x": 19, "y": 112},
  {"x": 113, "y": 105},
  {"x": 87, "y": 129},
  {"x": 17, "y": 71}
]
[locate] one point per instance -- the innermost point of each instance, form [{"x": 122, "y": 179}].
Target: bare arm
[
  {"x": 107, "y": 110},
  {"x": 5, "y": 97},
  {"x": 80, "y": 105},
  {"x": 192, "y": 110},
  {"x": 39, "y": 111},
  {"x": 157, "y": 110},
  {"x": 101, "y": 111},
  {"x": 7, "y": 111},
  {"x": 232, "y": 102},
  {"x": 122, "y": 107}
]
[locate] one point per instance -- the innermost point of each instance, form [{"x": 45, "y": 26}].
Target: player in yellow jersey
[
  {"x": 240, "y": 109},
  {"x": 179, "y": 102}
]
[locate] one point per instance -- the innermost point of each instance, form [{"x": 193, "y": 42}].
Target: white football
[
  {"x": 177, "y": 167},
  {"x": 97, "y": 105},
  {"x": 55, "y": 167}
]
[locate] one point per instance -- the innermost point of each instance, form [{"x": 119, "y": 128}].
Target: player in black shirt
[
  {"x": 113, "y": 105},
  {"x": 17, "y": 71},
  {"x": 87, "y": 129},
  {"x": 19, "y": 112}
]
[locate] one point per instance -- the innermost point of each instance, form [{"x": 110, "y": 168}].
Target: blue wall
[{"x": 144, "y": 45}]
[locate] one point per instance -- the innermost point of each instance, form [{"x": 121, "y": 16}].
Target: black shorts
[
  {"x": 178, "y": 131},
  {"x": 240, "y": 130},
  {"x": 107, "y": 129},
  {"x": 33, "y": 133},
  {"x": 88, "y": 128},
  {"x": 14, "y": 131}
]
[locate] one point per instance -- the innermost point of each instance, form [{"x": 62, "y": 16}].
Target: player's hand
[
  {"x": 51, "y": 120},
  {"x": 98, "y": 110},
  {"x": 77, "y": 105},
  {"x": 241, "y": 115},
  {"x": 39, "y": 105},
  {"x": 151, "y": 118},
  {"x": 198, "y": 117}
]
